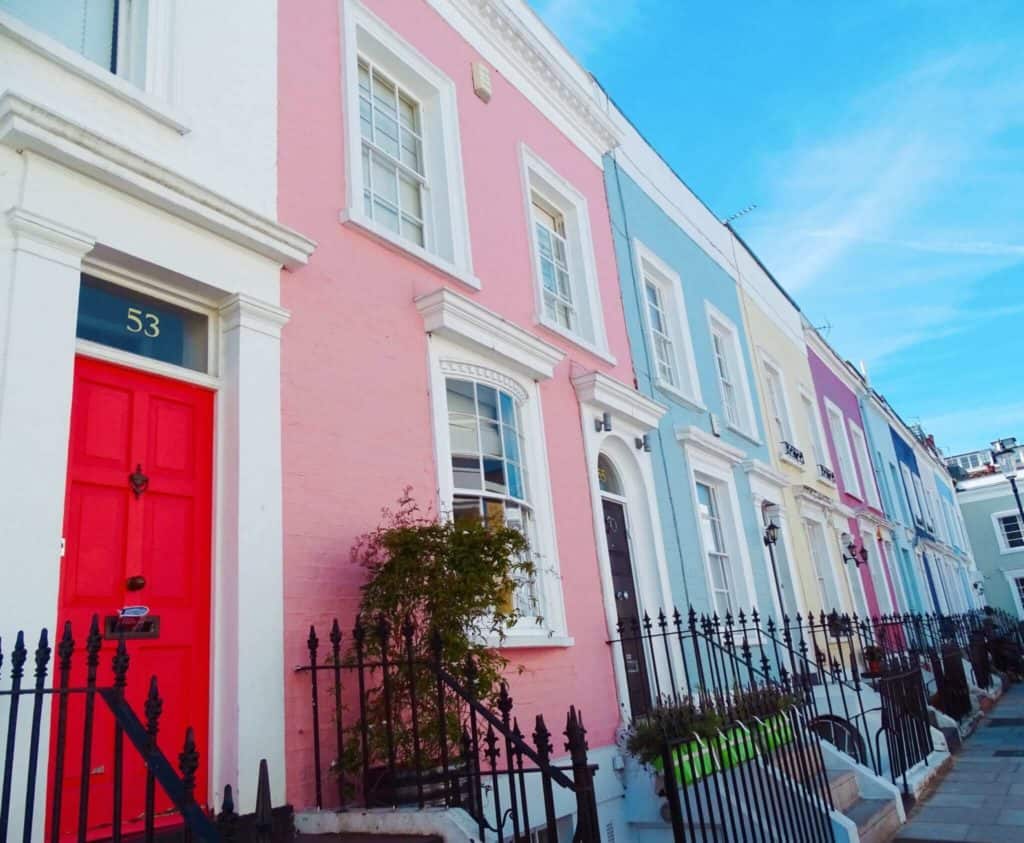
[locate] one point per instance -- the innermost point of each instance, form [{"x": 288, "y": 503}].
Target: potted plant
[
  {"x": 873, "y": 656},
  {"x": 431, "y": 581},
  {"x": 716, "y": 733}
]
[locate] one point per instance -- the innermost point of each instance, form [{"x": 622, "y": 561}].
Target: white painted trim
[
  {"x": 862, "y": 460},
  {"x": 1004, "y": 548},
  {"x": 771, "y": 366},
  {"x": 693, "y": 438},
  {"x": 851, "y": 485},
  {"x": 47, "y": 238},
  {"x": 540, "y": 178},
  {"x": 462, "y": 320},
  {"x": 25, "y": 125},
  {"x": 609, "y": 395},
  {"x": 154, "y": 102},
  {"x": 524, "y": 51},
  {"x": 671, "y": 287},
  {"x": 446, "y": 214},
  {"x": 748, "y": 423},
  {"x": 453, "y": 354},
  {"x": 1010, "y": 574}
]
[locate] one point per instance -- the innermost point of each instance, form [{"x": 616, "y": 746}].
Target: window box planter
[{"x": 694, "y": 761}]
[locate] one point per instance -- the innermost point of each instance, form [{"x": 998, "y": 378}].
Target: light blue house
[
  {"x": 901, "y": 542},
  {"x": 690, "y": 352}
]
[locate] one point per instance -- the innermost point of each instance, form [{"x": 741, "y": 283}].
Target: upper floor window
[
  {"x": 109, "y": 33},
  {"x": 394, "y": 180},
  {"x": 911, "y": 490},
  {"x": 897, "y": 487},
  {"x": 1011, "y": 531},
  {"x": 821, "y": 457},
  {"x": 553, "y": 258},
  {"x": 731, "y": 373},
  {"x": 488, "y": 465},
  {"x": 719, "y": 566},
  {"x": 564, "y": 263},
  {"x": 404, "y": 161},
  {"x": 867, "y": 474},
  {"x": 665, "y": 315},
  {"x": 778, "y": 410},
  {"x": 841, "y": 442}
]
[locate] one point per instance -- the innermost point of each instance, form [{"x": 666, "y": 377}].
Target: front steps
[
  {"x": 381, "y": 837},
  {"x": 877, "y": 820}
]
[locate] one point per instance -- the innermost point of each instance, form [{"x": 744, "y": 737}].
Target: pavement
[{"x": 981, "y": 798}]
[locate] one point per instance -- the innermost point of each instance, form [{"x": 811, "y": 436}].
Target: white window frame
[
  {"x": 819, "y": 445},
  {"x": 827, "y": 584},
  {"x": 445, "y": 212},
  {"x": 837, "y": 418},
  {"x": 541, "y": 181},
  {"x": 863, "y": 459},
  {"x": 651, "y": 269},
  {"x": 728, "y": 524},
  {"x": 922, "y": 501},
  {"x": 1004, "y": 545},
  {"x": 777, "y": 399},
  {"x": 152, "y": 86},
  {"x": 1012, "y": 575},
  {"x": 719, "y": 323},
  {"x": 898, "y": 483},
  {"x": 911, "y": 492},
  {"x": 467, "y": 341}
]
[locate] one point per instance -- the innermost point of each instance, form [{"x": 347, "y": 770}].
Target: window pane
[
  {"x": 487, "y": 401},
  {"x": 386, "y": 216},
  {"x": 515, "y": 481},
  {"x": 466, "y": 472},
  {"x": 460, "y": 396},
  {"x": 490, "y": 438},
  {"x": 466, "y": 509},
  {"x": 494, "y": 475},
  {"x": 412, "y": 155},
  {"x": 385, "y": 132},
  {"x": 86, "y": 26},
  {"x": 462, "y": 432},
  {"x": 385, "y": 181},
  {"x": 408, "y": 114},
  {"x": 412, "y": 230},
  {"x": 510, "y": 442}
]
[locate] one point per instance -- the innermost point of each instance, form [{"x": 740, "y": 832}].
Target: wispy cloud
[
  {"x": 585, "y": 26},
  {"x": 974, "y": 426}
]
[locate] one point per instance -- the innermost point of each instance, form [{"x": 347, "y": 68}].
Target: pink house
[
  {"x": 449, "y": 169},
  {"x": 865, "y": 566}
]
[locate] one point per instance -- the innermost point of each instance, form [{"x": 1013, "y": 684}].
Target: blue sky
[{"x": 883, "y": 143}]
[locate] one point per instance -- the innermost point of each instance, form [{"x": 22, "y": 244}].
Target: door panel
[
  {"x": 626, "y": 605},
  {"x": 121, "y": 420}
]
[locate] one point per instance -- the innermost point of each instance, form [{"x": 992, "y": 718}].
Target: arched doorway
[{"x": 627, "y": 606}]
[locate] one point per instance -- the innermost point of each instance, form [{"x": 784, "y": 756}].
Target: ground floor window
[{"x": 719, "y": 568}]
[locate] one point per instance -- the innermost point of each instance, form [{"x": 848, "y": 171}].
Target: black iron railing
[
  {"x": 826, "y": 473},
  {"x": 439, "y": 739},
  {"x": 793, "y": 452},
  {"x": 819, "y": 661},
  {"x": 87, "y": 714}
]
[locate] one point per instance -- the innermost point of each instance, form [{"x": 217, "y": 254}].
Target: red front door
[{"x": 146, "y": 545}]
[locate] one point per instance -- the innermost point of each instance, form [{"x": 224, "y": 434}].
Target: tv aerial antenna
[{"x": 741, "y": 213}]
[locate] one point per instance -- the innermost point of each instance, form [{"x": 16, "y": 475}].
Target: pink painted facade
[
  {"x": 356, "y": 389},
  {"x": 832, "y": 390}
]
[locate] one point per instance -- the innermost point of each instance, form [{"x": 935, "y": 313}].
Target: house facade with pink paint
[
  {"x": 864, "y": 583},
  {"x": 458, "y": 331}
]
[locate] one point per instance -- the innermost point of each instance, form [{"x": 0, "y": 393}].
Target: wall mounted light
[
  {"x": 604, "y": 423},
  {"x": 643, "y": 443}
]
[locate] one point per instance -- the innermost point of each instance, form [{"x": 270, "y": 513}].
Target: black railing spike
[
  {"x": 504, "y": 702},
  {"x": 692, "y": 617},
  {"x": 66, "y": 647},
  {"x": 542, "y": 738},
  {"x": 43, "y": 653},
  {"x": 188, "y": 763},
  {"x": 383, "y": 630},
  {"x": 93, "y": 641},
  {"x": 359, "y": 630},
  {"x": 264, "y": 809},
  {"x": 408, "y": 629},
  {"x": 312, "y": 642},
  {"x": 491, "y": 740},
  {"x": 335, "y": 638},
  {"x": 662, "y": 620},
  {"x": 153, "y": 708},
  {"x": 576, "y": 734},
  {"x": 18, "y": 656},
  {"x": 227, "y": 819},
  {"x": 120, "y": 665}
]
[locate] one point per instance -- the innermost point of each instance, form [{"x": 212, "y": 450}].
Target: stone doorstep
[
  {"x": 843, "y": 786},
  {"x": 877, "y": 820}
]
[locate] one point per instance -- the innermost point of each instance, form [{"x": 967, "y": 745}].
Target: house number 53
[{"x": 140, "y": 322}]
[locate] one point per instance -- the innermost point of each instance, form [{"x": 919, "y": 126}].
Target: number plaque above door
[{"x": 131, "y": 321}]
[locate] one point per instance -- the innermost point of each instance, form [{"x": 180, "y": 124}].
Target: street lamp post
[
  {"x": 1004, "y": 455},
  {"x": 771, "y": 536}
]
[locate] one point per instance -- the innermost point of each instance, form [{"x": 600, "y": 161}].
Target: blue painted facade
[
  {"x": 906, "y": 457},
  {"x": 890, "y": 485},
  {"x": 639, "y": 222}
]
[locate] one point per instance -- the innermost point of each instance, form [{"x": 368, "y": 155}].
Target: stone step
[
  {"x": 363, "y": 837},
  {"x": 877, "y": 819},
  {"x": 843, "y": 786}
]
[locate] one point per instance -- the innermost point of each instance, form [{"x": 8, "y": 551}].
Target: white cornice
[
  {"x": 609, "y": 395},
  {"x": 27, "y": 125},
  {"x": 48, "y": 238},
  {"x": 765, "y": 473},
  {"x": 462, "y": 320},
  {"x": 242, "y": 311},
  {"x": 694, "y": 438},
  {"x": 533, "y": 60}
]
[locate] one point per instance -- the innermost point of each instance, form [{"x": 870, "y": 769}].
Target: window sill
[
  {"x": 680, "y": 396},
  {"x": 739, "y": 431},
  {"x": 1010, "y": 551},
  {"x": 786, "y": 458},
  {"x": 69, "y": 60},
  {"x": 533, "y": 638},
  {"x": 355, "y": 219},
  {"x": 576, "y": 339}
]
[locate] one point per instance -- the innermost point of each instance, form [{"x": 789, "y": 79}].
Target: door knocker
[{"x": 139, "y": 481}]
